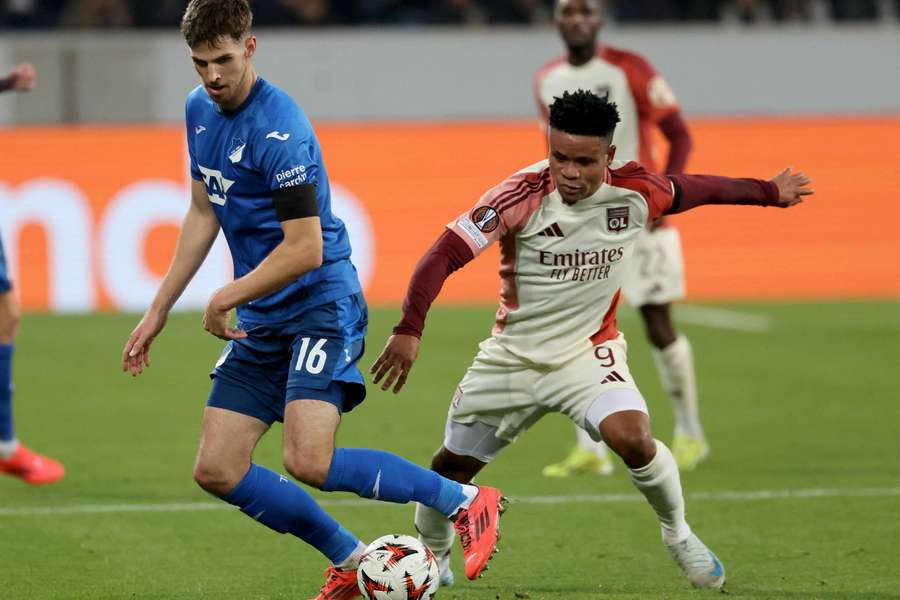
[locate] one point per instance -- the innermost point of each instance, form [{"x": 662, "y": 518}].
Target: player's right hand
[
  {"x": 791, "y": 188},
  {"x": 136, "y": 354},
  {"x": 395, "y": 361},
  {"x": 23, "y": 77}
]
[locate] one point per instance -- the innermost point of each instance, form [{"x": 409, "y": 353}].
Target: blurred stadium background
[{"x": 420, "y": 106}]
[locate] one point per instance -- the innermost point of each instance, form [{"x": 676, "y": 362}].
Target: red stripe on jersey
[
  {"x": 523, "y": 190},
  {"x": 609, "y": 329},
  {"x": 656, "y": 189}
]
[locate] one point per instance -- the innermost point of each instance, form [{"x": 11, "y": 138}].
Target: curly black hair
[
  {"x": 208, "y": 20},
  {"x": 584, "y": 113}
]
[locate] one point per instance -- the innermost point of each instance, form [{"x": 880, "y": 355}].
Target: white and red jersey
[
  {"x": 561, "y": 265},
  {"x": 626, "y": 78}
]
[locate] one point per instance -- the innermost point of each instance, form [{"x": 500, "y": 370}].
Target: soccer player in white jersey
[
  {"x": 656, "y": 279},
  {"x": 567, "y": 229}
]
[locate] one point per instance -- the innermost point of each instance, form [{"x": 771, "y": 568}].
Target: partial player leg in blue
[
  {"x": 282, "y": 505},
  {"x": 384, "y": 476},
  {"x": 7, "y": 431}
]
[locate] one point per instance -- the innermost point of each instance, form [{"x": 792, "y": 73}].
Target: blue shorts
[
  {"x": 5, "y": 283},
  {"x": 312, "y": 358}
]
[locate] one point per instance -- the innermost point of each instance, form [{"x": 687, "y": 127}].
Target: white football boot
[{"x": 702, "y": 567}]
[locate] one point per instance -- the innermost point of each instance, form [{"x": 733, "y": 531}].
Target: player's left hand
[
  {"x": 23, "y": 77},
  {"x": 395, "y": 361},
  {"x": 791, "y": 188},
  {"x": 216, "y": 320}
]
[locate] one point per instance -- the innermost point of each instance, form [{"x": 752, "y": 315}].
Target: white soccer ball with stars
[{"x": 398, "y": 567}]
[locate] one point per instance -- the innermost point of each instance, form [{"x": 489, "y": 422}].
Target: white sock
[
  {"x": 587, "y": 443},
  {"x": 660, "y": 483},
  {"x": 352, "y": 561},
  {"x": 675, "y": 364},
  {"x": 9, "y": 448},
  {"x": 435, "y": 530},
  {"x": 470, "y": 492}
]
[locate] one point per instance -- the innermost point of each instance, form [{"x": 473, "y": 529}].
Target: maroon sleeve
[
  {"x": 692, "y": 191},
  {"x": 680, "y": 142},
  {"x": 449, "y": 253}
]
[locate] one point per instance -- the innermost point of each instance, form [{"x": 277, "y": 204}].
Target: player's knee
[
  {"x": 309, "y": 467},
  {"x": 635, "y": 445},
  {"x": 216, "y": 479}
]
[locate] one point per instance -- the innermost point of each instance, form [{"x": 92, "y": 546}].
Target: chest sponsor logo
[
  {"x": 236, "y": 151},
  {"x": 581, "y": 265},
  {"x": 217, "y": 185},
  {"x": 485, "y": 219},
  {"x": 199, "y": 129},
  {"x": 617, "y": 218},
  {"x": 281, "y": 137}
]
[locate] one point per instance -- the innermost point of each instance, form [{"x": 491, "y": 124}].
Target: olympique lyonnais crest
[
  {"x": 485, "y": 218},
  {"x": 617, "y": 218}
]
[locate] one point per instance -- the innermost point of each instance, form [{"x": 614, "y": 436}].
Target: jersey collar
[{"x": 254, "y": 91}]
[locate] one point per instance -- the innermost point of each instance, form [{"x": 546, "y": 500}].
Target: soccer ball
[{"x": 398, "y": 567}]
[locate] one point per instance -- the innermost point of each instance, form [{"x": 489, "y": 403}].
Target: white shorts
[
  {"x": 656, "y": 275},
  {"x": 501, "y": 391}
]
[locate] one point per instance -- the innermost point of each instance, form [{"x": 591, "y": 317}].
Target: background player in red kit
[{"x": 646, "y": 103}]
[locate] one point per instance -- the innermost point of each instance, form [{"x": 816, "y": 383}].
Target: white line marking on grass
[
  {"x": 726, "y": 496},
  {"x": 721, "y": 318}
]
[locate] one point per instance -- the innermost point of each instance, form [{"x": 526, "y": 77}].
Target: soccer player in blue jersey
[
  {"x": 16, "y": 459},
  {"x": 258, "y": 174}
]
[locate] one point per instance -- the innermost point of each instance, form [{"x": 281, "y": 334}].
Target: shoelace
[
  {"x": 330, "y": 575},
  {"x": 462, "y": 528}
]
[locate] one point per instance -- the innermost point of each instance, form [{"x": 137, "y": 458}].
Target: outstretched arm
[
  {"x": 21, "y": 78},
  {"x": 783, "y": 191},
  {"x": 448, "y": 254},
  {"x": 198, "y": 232}
]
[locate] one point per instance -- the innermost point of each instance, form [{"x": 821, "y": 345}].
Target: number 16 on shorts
[{"x": 311, "y": 356}]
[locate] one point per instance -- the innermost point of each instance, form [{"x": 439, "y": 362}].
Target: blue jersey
[{"x": 242, "y": 156}]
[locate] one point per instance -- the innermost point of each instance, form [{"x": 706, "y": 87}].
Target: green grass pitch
[{"x": 812, "y": 404}]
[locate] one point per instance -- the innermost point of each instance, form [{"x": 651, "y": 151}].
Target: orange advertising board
[{"x": 89, "y": 214}]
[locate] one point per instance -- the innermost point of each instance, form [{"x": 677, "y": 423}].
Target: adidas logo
[
  {"x": 553, "y": 231},
  {"x": 612, "y": 378}
]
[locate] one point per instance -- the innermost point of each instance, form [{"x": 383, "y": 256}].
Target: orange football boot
[
  {"x": 479, "y": 529},
  {"x": 32, "y": 467},
  {"x": 339, "y": 585}
]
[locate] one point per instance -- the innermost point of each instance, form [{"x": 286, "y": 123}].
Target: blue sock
[
  {"x": 284, "y": 506},
  {"x": 385, "y": 476},
  {"x": 7, "y": 431}
]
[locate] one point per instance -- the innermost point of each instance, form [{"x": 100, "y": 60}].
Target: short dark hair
[
  {"x": 584, "y": 113},
  {"x": 208, "y": 20}
]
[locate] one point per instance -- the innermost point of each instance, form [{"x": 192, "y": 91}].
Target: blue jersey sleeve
[
  {"x": 191, "y": 135},
  {"x": 289, "y": 153}
]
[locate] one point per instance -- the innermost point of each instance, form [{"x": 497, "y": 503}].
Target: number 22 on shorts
[{"x": 315, "y": 357}]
